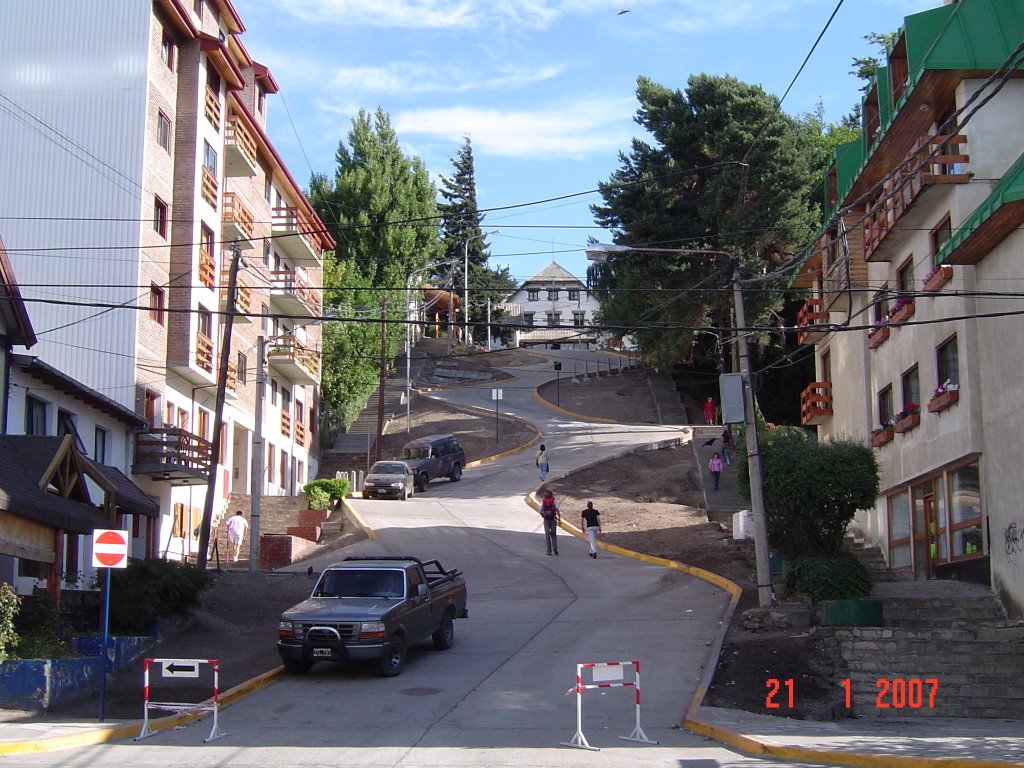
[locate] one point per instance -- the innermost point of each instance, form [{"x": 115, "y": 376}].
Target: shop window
[
  {"x": 899, "y": 530},
  {"x": 965, "y": 511}
]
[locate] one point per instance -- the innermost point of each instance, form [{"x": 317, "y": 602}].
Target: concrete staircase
[
  {"x": 286, "y": 515},
  {"x": 945, "y": 650}
]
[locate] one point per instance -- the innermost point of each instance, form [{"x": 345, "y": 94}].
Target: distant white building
[{"x": 552, "y": 307}]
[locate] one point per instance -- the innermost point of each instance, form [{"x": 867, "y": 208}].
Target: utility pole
[
  {"x": 764, "y": 576},
  {"x": 256, "y": 467},
  {"x": 383, "y": 377},
  {"x": 218, "y": 416}
]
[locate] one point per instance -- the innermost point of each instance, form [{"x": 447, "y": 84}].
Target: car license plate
[{"x": 321, "y": 652}]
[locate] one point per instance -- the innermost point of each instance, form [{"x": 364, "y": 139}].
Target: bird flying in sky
[{"x": 624, "y": 10}]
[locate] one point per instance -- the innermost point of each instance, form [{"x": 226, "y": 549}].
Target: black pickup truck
[{"x": 373, "y": 608}]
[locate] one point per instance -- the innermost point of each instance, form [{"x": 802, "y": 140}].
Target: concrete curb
[{"x": 358, "y": 520}]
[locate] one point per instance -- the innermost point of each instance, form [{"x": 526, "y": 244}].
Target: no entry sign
[{"x": 109, "y": 549}]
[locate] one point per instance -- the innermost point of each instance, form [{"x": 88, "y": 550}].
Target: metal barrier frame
[
  {"x": 180, "y": 708},
  {"x": 578, "y": 740}
]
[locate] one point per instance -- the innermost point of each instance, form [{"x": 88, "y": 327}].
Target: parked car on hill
[
  {"x": 432, "y": 457},
  {"x": 389, "y": 479}
]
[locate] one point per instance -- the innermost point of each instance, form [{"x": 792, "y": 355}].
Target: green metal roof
[{"x": 1009, "y": 190}]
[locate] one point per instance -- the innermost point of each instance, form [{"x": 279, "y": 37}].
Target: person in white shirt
[{"x": 237, "y": 526}]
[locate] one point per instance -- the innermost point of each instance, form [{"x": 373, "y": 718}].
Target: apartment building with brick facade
[
  {"x": 915, "y": 308},
  {"x": 138, "y": 161}
]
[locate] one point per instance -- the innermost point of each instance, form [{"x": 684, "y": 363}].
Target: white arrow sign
[{"x": 181, "y": 668}]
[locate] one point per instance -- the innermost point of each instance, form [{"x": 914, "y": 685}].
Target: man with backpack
[{"x": 549, "y": 513}]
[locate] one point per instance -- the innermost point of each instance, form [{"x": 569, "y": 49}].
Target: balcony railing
[
  {"x": 304, "y": 245},
  {"x": 241, "y": 155},
  {"x": 237, "y": 219},
  {"x": 207, "y": 268},
  {"x": 300, "y": 432},
  {"x": 293, "y": 359},
  {"x": 232, "y": 380},
  {"x": 204, "y": 352},
  {"x": 299, "y": 296},
  {"x": 211, "y": 107},
  {"x": 286, "y": 423},
  {"x": 173, "y": 454},
  {"x": 812, "y": 313},
  {"x": 243, "y": 299},
  {"x": 918, "y": 171},
  {"x": 816, "y": 403},
  {"x": 209, "y": 187}
]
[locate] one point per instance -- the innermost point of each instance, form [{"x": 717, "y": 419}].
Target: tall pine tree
[{"x": 461, "y": 223}]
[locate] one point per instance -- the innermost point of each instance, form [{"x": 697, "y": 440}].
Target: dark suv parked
[{"x": 434, "y": 456}]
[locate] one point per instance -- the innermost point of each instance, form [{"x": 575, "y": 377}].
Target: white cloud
[
  {"x": 420, "y": 14},
  {"x": 577, "y": 129},
  {"x": 414, "y": 77}
]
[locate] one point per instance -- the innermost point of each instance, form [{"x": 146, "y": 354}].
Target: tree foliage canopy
[
  {"x": 381, "y": 209},
  {"x": 727, "y": 170}
]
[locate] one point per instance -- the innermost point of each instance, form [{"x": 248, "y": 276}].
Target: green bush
[
  {"x": 9, "y": 605},
  {"x": 45, "y": 631},
  {"x": 320, "y": 492},
  {"x": 827, "y": 577},
  {"x": 811, "y": 489},
  {"x": 149, "y": 589}
]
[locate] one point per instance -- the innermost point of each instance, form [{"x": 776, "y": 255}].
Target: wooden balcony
[
  {"x": 241, "y": 158},
  {"x": 294, "y": 360},
  {"x": 293, "y": 294},
  {"x": 237, "y": 221},
  {"x": 231, "y": 390},
  {"x": 296, "y": 236},
  {"x": 243, "y": 299},
  {"x": 890, "y": 218},
  {"x": 174, "y": 455},
  {"x": 209, "y": 187},
  {"x": 300, "y": 433},
  {"x": 211, "y": 107},
  {"x": 286, "y": 423},
  {"x": 816, "y": 403},
  {"x": 204, "y": 352},
  {"x": 811, "y": 314},
  {"x": 207, "y": 268}
]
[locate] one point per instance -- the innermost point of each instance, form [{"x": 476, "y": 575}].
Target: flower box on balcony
[
  {"x": 881, "y": 438},
  {"x": 907, "y": 423},
  {"x": 878, "y": 336},
  {"x": 944, "y": 400},
  {"x": 938, "y": 278},
  {"x": 902, "y": 313}
]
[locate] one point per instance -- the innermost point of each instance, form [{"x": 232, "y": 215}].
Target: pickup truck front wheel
[
  {"x": 393, "y": 661},
  {"x": 445, "y": 635},
  {"x": 297, "y": 666}
]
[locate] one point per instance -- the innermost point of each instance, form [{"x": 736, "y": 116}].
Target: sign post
[
  {"x": 558, "y": 385},
  {"x": 109, "y": 550},
  {"x": 496, "y": 397}
]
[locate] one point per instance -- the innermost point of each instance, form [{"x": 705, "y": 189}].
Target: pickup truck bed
[{"x": 373, "y": 608}]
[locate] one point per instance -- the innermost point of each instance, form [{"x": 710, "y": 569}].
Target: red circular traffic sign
[{"x": 110, "y": 549}]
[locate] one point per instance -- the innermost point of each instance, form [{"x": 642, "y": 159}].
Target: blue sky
[{"x": 544, "y": 88}]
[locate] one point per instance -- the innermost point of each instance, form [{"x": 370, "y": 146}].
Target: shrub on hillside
[
  {"x": 827, "y": 577},
  {"x": 149, "y": 589},
  {"x": 812, "y": 489}
]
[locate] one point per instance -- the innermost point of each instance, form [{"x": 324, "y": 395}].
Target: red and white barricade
[
  {"x": 608, "y": 674},
  {"x": 183, "y": 668}
]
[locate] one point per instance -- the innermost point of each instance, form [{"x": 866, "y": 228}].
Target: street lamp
[
  {"x": 598, "y": 252},
  {"x": 465, "y": 277}
]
